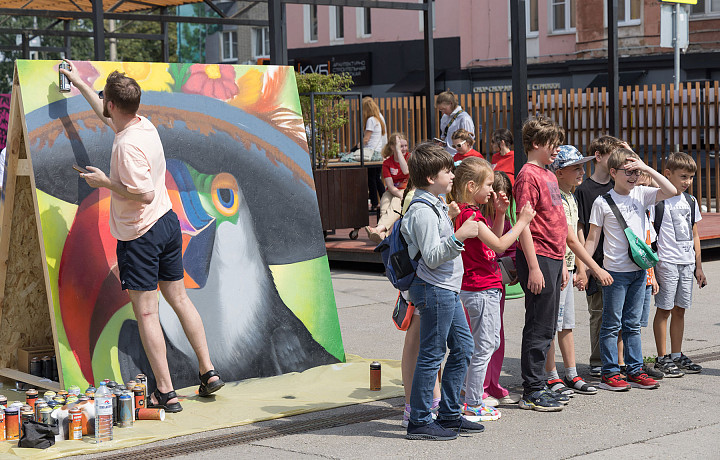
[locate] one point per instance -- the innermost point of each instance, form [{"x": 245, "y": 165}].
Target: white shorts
[
  {"x": 676, "y": 285},
  {"x": 566, "y": 313}
]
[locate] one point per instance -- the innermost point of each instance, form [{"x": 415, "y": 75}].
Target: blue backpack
[{"x": 399, "y": 266}]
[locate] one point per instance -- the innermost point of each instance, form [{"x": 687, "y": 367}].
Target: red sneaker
[
  {"x": 642, "y": 380},
  {"x": 614, "y": 383}
]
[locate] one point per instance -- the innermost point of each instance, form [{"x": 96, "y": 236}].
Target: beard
[{"x": 106, "y": 114}]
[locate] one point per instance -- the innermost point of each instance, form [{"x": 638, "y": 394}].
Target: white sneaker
[{"x": 491, "y": 401}]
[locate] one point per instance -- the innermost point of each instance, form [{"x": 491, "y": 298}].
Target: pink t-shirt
[
  {"x": 539, "y": 187},
  {"x": 138, "y": 162}
]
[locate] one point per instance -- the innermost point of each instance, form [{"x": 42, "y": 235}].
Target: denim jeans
[
  {"x": 622, "y": 308},
  {"x": 442, "y": 325}
]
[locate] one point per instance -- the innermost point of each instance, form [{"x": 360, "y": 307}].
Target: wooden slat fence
[{"x": 653, "y": 120}]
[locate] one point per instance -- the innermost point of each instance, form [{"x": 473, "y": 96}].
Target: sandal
[
  {"x": 207, "y": 388},
  {"x": 162, "y": 402}
]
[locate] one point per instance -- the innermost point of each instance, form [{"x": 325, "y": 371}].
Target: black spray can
[{"x": 64, "y": 82}]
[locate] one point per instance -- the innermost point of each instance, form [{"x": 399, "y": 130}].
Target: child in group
[
  {"x": 569, "y": 169},
  {"x": 678, "y": 246},
  {"x": 540, "y": 259},
  {"x": 504, "y": 159},
  {"x": 586, "y": 193},
  {"x": 623, "y": 299},
  {"x": 495, "y": 394},
  {"x": 395, "y": 177},
  {"x": 482, "y": 282},
  {"x": 435, "y": 292},
  {"x": 462, "y": 142}
]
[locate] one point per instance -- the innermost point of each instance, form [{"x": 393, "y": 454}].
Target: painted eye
[{"x": 224, "y": 192}]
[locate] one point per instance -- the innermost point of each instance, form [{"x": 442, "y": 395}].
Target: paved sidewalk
[{"x": 678, "y": 420}]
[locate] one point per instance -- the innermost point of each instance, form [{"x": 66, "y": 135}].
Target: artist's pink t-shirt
[{"x": 138, "y": 162}]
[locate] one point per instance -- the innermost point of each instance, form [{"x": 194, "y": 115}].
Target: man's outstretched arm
[{"x": 88, "y": 93}]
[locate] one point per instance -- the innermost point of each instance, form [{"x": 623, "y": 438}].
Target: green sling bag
[{"x": 639, "y": 251}]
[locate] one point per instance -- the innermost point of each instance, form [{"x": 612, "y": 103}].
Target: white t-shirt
[
  {"x": 632, "y": 207},
  {"x": 675, "y": 241},
  {"x": 464, "y": 121},
  {"x": 377, "y": 138}
]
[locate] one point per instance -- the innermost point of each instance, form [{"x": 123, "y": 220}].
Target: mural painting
[{"x": 240, "y": 180}]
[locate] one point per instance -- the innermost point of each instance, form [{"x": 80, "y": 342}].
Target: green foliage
[{"x": 331, "y": 112}]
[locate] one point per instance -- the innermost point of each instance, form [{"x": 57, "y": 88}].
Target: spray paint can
[
  {"x": 49, "y": 395},
  {"x": 47, "y": 367},
  {"x": 74, "y": 390},
  {"x": 31, "y": 397},
  {"x": 64, "y": 82},
  {"x": 125, "y": 410},
  {"x": 375, "y": 376},
  {"x": 12, "y": 423},
  {"x": 63, "y": 393},
  {"x": 27, "y": 414},
  {"x": 53, "y": 362},
  {"x": 59, "y": 400},
  {"x": 139, "y": 394},
  {"x": 142, "y": 380},
  {"x": 2, "y": 424},
  {"x": 36, "y": 367},
  {"x": 38, "y": 406},
  {"x": 75, "y": 430},
  {"x": 71, "y": 399},
  {"x": 3, "y": 400},
  {"x": 90, "y": 392},
  {"x": 117, "y": 392},
  {"x": 150, "y": 414},
  {"x": 46, "y": 415}
]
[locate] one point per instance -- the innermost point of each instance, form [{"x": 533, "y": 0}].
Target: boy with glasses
[{"x": 623, "y": 299}]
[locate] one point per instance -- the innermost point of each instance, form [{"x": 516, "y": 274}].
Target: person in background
[
  {"x": 462, "y": 142},
  {"x": 504, "y": 159},
  {"x": 395, "y": 176},
  {"x": 453, "y": 118},
  {"x": 374, "y": 139}
]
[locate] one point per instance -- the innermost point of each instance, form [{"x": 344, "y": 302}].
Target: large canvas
[{"x": 240, "y": 180}]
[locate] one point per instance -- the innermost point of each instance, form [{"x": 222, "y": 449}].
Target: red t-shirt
[
  {"x": 549, "y": 228},
  {"x": 479, "y": 261},
  {"x": 505, "y": 163},
  {"x": 470, "y": 153},
  {"x": 391, "y": 168}
]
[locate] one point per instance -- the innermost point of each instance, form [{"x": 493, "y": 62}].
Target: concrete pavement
[{"x": 678, "y": 420}]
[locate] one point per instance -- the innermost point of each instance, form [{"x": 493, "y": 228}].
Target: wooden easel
[{"x": 26, "y": 306}]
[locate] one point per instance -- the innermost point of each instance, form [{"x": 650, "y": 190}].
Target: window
[
  {"x": 311, "y": 26},
  {"x": 706, "y": 7},
  {"x": 337, "y": 23},
  {"x": 364, "y": 22},
  {"x": 629, "y": 12},
  {"x": 531, "y": 17},
  {"x": 563, "y": 15},
  {"x": 261, "y": 42},
  {"x": 229, "y": 45}
]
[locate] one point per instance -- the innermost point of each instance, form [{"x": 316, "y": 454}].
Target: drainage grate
[{"x": 226, "y": 440}]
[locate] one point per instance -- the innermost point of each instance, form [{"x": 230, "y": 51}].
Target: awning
[
  {"x": 625, "y": 79},
  {"x": 414, "y": 82},
  {"x": 117, "y": 6}
]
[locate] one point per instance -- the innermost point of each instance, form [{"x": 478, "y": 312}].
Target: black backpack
[{"x": 660, "y": 210}]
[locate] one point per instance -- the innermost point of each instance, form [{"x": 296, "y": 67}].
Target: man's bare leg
[
  {"x": 145, "y": 307},
  {"x": 175, "y": 294}
]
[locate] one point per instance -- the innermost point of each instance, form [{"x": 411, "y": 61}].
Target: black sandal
[
  {"x": 208, "y": 388},
  {"x": 162, "y": 402}
]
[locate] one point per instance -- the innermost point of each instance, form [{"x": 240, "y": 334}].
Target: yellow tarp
[{"x": 242, "y": 403}]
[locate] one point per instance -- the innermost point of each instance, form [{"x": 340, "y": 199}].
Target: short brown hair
[
  {"x": 447, "y": 97},
  {"x": 604, "y": 145},
  {"x": 541, "y": 131},
  {"x": 619, "y": 157},
  {"x": 681, "y": 160},
  {"x": 502, "y": 134},
  {"x": 123, "y": 91},
  {"x": 427, "y": 160},
  {"x": 464, "y": 135}
]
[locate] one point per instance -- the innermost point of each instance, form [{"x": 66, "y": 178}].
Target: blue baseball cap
[{"x": 568, "y": 155}]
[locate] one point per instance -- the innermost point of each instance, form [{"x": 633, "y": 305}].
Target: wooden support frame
[{"x": 26, "y": 307}]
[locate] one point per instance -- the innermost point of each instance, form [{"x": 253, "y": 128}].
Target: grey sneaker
[
  {"x": 596, "y": 371},
  {"x": 652, "y": 372},
  {"x": 666, "y": 365},
  {"x": 686, "y": 364}
]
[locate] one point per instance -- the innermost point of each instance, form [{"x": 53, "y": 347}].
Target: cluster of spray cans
[
  {"x": 125, "y": 404},
  {"x": 45, "y": 367}
]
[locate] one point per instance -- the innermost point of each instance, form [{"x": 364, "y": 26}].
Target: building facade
[{"x": 566, "y": 44}]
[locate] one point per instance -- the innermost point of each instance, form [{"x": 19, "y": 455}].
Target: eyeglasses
[
  {"x": 457, "y": 146},
  {"x": 101, "y": 94},
  {"x": 629, "y": 173}
]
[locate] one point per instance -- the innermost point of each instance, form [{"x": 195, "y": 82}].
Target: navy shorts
[{"x": 155, "y": 256}]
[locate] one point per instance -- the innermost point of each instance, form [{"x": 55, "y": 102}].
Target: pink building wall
[{"x": 482, "y": 25}]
